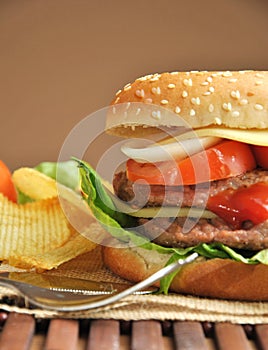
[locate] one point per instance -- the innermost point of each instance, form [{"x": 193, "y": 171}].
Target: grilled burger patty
[
  {"x": 171, "y": 231},
  {"x": 184, "y": 196},
  {"x": 171, "y": 234}
]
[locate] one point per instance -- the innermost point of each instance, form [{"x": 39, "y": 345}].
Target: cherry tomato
[
  {"x": 6, "y": 185},
  {"x": 237, "y": 206},
  {"x": 261, "y": 155},
  {"x": 226, "y": 159}
]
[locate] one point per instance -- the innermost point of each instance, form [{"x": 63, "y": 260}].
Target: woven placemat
[{"x": 141, "y": 307}]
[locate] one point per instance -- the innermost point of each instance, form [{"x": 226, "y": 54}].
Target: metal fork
[{"x": 65, "y": 301}]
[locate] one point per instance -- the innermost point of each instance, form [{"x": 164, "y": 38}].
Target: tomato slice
[
  {"x": 261, "y": 155},
  {"x": 241, "y": 205},
  {"x": 6, "y": 184},
  {"x": 226, "y": 159}
]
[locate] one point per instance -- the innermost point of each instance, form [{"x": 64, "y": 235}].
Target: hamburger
[{"x": 206, "y": 174}]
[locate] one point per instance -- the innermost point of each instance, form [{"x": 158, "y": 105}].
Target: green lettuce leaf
[
  {"x": 105, "y": 212},
  {"x": 22, "y": 198},
  {"x": 166, "y": 281},
  {"x": 65, "y": 173}
]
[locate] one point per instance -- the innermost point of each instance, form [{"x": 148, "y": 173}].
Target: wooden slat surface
[
  {"x": 104, "y": 334},
  {"x": 17, "y": 332},
  {"x": 189, "y": 335},
  {"x": 231, "y": 336},
  {"x": 262, "y": 336},
  {"x": 146, "y": 335},
  {"x": 62, "y": 335},
  {"x": 23, "y": 332}
]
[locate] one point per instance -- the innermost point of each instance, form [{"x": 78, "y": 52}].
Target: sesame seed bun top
[{"x": 198, "y": 99}]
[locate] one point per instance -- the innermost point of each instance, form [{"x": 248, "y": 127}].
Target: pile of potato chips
[{"x": 38, "y": 234}]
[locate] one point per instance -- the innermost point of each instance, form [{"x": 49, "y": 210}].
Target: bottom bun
[{"x": 215, "y": 278}]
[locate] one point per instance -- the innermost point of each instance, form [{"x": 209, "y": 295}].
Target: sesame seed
[
  {"x": 227, "y": 106},
  {"x": 149, "y": 76},
  {"x": 209, "y": 79},
  {"x": 156, "y": 115},
  {"x": 146, "y": 77},
  {"x": 218, "y": 120},
  {"x": 148, "y": 100},
  {"x": 204, "y": 83},
  {"x": 118, "y": 92},
  {"x": 184, "y": 94},
  {"x": 235, "y": 94},
  {"x": 156, "y": 90},
  {"x": 192, "y": 112},
  {"x": 177, "y": 109},
  {"x": 195, "y": 101},
  {"x": 258, "y": 107},
  {"x": 117, "y": 99},
  {"x": 235, "y": 114},
  {"x": 174, "y": 73},
  {"x": 211, "y": 108},
  {"x": 232, "y": 80},
  {"x": 127, "y": 88},
  {"x": 132, "y": 127},
  {"x": 164, "y": 102},
  {"x": 243, "y": 102},
  {"x": 206, "y": 93},
  {"x": 258, "y": 82},
  {"x": 128, "y": 105},
  {"x": 154, "y": 79},
  {"x": 188, "y": 82},
  {"x": 211, "y": 89},
  {"x": 259, "y": 75},
  {"x": 227, "y": 74},
  {"x": 171, "y": 86},
  {"x": 140, "y": 93},
  {"x": 138, "y": 111}
]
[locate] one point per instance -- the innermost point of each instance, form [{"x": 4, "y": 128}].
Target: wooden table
[{"x": 20, "y": 331}]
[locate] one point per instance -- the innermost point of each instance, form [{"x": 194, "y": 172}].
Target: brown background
[{"x": 61, "y": 60}]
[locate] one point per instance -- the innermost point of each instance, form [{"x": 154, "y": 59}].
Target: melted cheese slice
[
  {"x": 171, "y": 212},
  {"x": 251, "y": 136}
]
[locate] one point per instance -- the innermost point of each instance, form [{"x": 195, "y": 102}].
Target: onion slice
[{"x": 177, "y": 150}]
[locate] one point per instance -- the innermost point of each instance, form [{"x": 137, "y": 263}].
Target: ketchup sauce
[{"x": 236, "y": 206}]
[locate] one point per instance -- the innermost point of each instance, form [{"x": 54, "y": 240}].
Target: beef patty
[
  {"x": 171, "y": 233},
  {"x": 139, "y": 194}
]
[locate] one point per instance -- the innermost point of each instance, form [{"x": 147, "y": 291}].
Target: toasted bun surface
[
  {"x": 215, "y": 278},
  {"x": 230, "y": 99}
]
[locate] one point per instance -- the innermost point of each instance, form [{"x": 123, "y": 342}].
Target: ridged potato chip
[
  {"x": 38, "y": 234},
  {"x": 34, "y": 184}
]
